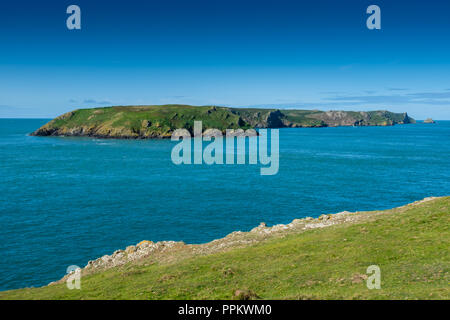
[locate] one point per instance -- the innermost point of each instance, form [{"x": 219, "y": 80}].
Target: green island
[
  {"x": 143, "y": 122},
  {"x": 322, "y": 258}
]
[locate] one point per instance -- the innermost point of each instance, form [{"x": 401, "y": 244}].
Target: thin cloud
[
  {"x": 431, "y": 95},
  {"x": 98, "y": 102},
  {"x": 431, "y": 98},
  {"x": 397, "y": 89},
  {"x": 365, "y": 101},
  {"x": 331, "y": 92}
]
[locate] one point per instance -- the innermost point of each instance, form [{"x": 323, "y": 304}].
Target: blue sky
[{"x": 285, "y": 54}]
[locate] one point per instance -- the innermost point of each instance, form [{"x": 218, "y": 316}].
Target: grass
[
  {"x": 146, "y": 120},
  {"x": 410, "y": 245}
]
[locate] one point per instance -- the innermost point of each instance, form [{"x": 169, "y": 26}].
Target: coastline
[
  {"x": 169, "y": 251},
  {"x": 323, "y": 258}
]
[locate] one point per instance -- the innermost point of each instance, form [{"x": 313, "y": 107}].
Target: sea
[{"x": 65, "y": 201}]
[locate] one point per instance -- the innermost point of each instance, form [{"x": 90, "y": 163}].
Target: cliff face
[
  {"x": 371, "y": 118},
  {"x": 261, "y": 118},
  {"x": 143, "y": 122}
]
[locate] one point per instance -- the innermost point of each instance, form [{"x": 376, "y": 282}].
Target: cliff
[{"x": 141, "y": 122}]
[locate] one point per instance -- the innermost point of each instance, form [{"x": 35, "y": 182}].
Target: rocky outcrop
[
  {"x": 428, "y": 120},
  {"x": 362, "y": 118},
  {"x": 140, "y": 251},
  {"x": 260, "y": 118},
  {"x": 275, "y": 119},
  {"x": 341, "y": 118},
  {"x": 407, "y": 119}
]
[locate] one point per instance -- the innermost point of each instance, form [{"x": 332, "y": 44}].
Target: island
[
  {"x": 160, "y": 121},
  {"x": 428, "y": 120}
]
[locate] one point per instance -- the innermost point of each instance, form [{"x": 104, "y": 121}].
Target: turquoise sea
[{"x": 65, "y": 201}]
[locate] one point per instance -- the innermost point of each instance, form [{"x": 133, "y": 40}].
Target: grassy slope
[
  {"x": 410, "y": 244},
  {"x": 145, "y": 120},
  {"x": 304, "y": 116}
]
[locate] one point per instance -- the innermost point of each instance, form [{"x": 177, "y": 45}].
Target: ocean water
[{"x": 65, "y": 201}]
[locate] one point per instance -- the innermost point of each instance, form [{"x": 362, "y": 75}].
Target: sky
[{"x": 282, "y": 54}]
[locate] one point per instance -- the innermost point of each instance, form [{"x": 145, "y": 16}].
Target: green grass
[
  {"x": 145, "y": 120},
  {"x": 409, "y": 244},
  {"x": 304, "y": 117}
]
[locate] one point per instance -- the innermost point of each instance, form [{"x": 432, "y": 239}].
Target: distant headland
[{"x": 159, "y": 121}]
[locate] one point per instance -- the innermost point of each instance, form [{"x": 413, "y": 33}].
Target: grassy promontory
[
  {"x": 324, "y": 258},
  {"x": 141, "y": 122}
]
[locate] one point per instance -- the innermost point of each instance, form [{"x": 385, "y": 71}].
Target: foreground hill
[
  {"x": 140, "y": 122},
  {"x": 324, "y": 258}
]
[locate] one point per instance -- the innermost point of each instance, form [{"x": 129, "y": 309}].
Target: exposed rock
[
  {"x": 241, "y": 133},
  {"x": 342, "y": 213},
  {"x": 274, "y": 119},
  {"x": 130, "y": 249},
  {"x": 144, "y": 244},
  {"x": 359, "y": 277},
  {"x": 131, "y": 253},
  {"x": 245, "y": 295},
  {"x": 209, "y": 133},
  {"x": 362, "y": 118},
  {"x": 428, "y": 120},
  {"x": 181, "y": 133},
  {"x": 146, "y": 123}
]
